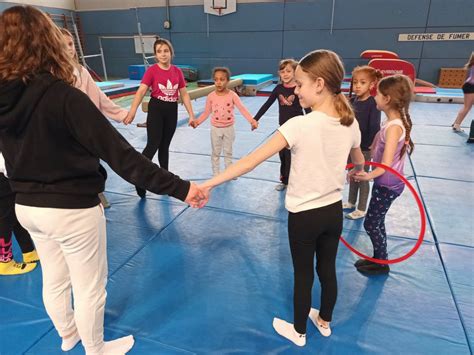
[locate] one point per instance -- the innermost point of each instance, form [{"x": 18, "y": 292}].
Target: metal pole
[
  {"x": 142, "y": 44},
  {"x": 103, "y": 59}
]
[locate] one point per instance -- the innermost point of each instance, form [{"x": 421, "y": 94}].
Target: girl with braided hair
[{"x": 391, "y": 146}]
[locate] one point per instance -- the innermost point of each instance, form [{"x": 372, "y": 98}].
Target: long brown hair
[
  {"x": 30, "y": 43},
  {"x": 327, "y": 65},
  {"x": 400, "y": 89}
]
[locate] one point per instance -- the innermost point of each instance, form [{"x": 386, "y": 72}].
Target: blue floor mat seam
[
  {"x": 21, "y": 303},
  {"x": 38, "y": 340},
  {"x": 442, "y": 178},
  {"x": 448, "y": 280}
]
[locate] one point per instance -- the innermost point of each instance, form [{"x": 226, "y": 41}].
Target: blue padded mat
[
  {"x": 439, "y": 114},
  {"x": 438, "y": 135},
  {"x": 458, "y": 260},
  {"x": 210, "y": 281},
  {"x": 106, "y": 85},
  {"x": 230, "y": 281},
  {"x": 444, "y": 162},
  {"x": 25, "y": 325},
  {"x": 449, "y": 205},
  {"x": 254, "y": 79}
]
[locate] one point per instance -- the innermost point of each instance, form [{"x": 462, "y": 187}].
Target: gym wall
[{"x": 259, "y": 34}]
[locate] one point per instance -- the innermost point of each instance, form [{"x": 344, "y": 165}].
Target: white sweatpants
[
  {"x": 221, "y": 138},
  {"x": 71, "y": 244}
]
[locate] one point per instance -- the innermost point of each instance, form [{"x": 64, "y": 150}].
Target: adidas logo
[{"x": 169, "y": 89}]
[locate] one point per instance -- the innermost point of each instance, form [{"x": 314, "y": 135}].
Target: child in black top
[
  {"x": 289, "y": 107},
  {"x": 9, "y": 224},
  {"x": 364, "y": 79}
]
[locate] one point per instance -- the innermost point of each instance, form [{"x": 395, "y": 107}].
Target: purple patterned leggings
[{"x": 374, "y": 223}]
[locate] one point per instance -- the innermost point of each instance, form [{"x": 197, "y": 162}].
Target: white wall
[{"x": 60, "y": 4}]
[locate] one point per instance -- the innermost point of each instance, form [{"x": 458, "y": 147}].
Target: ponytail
[
  {"x": 407, "y": 123},
  {"x": 344, "y": 109}
]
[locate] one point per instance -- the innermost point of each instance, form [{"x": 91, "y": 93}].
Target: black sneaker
[
  {"x": 362, "y": 262},
  {"x": 470, "y": 140},
  {"x": 140, "y": 192},
  {"x": 374, "y": 269}
]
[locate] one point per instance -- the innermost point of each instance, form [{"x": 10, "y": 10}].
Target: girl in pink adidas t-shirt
[
  {"x": 167, "y": 84},
  {"x": 221, "y": 103}
]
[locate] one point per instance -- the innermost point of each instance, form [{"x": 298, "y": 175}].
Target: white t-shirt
[{"x": 320, "y": 146}]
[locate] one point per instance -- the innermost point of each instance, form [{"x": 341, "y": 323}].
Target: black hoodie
[{"x": 52, "y": 137}]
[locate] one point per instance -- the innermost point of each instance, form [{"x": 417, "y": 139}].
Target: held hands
[
  {"x": 359, "y": 176},
  {"x": 129, "y": 119},
  {"x": 193, "y": 123},
  {"x": 254, "y": 125},
  {"x": 197, "y": 197}
]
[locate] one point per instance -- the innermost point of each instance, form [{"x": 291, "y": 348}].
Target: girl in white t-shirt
[{"x": 320, "y": 143}]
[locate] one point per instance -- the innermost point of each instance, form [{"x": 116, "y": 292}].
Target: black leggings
[
  {"x": 311, "y": 232},
  {"x": 285, "y": 163},
  {"x": 9, "y": 223},
  {"x": 160, "y": 127}
]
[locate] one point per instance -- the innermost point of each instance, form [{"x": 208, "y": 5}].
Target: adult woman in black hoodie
[{"x": 52, "y": 137}]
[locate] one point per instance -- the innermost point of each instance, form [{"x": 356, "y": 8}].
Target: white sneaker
[
  {"x": 313, "y": 315},
  {"x": 457, "y": 128},
  {"x": 356, "y": 214},
  {"x": 287, "y": 330},
  {"x": 347, "y": 206},
  {"x": 280, "y": 187}
]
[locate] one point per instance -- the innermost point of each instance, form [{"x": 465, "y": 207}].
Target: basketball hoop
[
  {"x": 218, "y": 10},
  {"x": 220, "y": 7}
]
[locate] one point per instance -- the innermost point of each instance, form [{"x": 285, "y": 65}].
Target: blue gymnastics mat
[
  {"x": 107, "y": 85},
  {"x": 210, "y": 281}
]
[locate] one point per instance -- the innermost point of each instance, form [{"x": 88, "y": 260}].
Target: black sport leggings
[
  {"x": 311, "y": 232},
  {"x": 160, "y": 127},
  {"x": 9, "y": 224}
]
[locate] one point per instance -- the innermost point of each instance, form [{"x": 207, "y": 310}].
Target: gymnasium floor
[{"x": 210, "y": 281}]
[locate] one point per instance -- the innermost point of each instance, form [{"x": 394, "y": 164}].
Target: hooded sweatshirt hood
[{"x": 18, "y": 101}]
